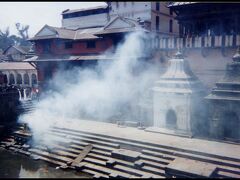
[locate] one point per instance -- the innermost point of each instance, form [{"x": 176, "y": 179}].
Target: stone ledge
[{"x": 169, "y": 132}]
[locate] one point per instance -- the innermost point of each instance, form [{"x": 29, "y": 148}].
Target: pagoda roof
[{"x": 116, "y": 25}]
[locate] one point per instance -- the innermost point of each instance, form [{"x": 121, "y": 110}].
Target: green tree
[{"x": 5, "y": 39}]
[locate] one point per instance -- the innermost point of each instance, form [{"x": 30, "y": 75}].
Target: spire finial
[
  {"x": 236, "y": 56},
  {"x": 179, "y": 55}
]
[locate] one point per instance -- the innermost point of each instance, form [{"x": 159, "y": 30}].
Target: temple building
[
  {"x": 208, "y": 36},
  {"x": 178, "y": 106},
  {"x": 21, "y": 74},
  {"x": 63, "y": 47},
  {"x": 213, "y": 19},
  {"x": 224, "y": 103},
  {"x": 155, "y": 16}
]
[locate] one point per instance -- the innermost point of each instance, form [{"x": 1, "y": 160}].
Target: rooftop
[
  {"x": 16, "y": 66},
  {"x": 68, "y": 11},
  {"x": 113, "y": 26},
  {"x": 180, "y": 3}
]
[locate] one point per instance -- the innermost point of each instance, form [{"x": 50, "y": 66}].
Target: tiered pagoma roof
[
  {"x": 178, "y": 78},
  {"x": 228, "y": 88}
]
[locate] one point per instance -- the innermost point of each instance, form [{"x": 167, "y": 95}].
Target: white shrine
[{"x": 177, "y": 100}]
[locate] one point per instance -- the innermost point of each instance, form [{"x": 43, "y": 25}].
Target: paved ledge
[{"x": 204, "y": 146}]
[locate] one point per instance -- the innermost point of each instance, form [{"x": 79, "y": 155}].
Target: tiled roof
[
  {"x": 64, "y": 33},
  {"x": 22, "y": 49},
  {"x": 16, "y": 66},
  {"x": 180, "y": 3},
  {"x": 69, "y": 58},
  {"x": 89, "y": 33}
]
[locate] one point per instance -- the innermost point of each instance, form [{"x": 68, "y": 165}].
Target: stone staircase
[
  {"x": 26, "y": 106},
  {"x": 116, "y": 157}
]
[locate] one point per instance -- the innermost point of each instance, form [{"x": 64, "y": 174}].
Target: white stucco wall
[
  {"x": 132, "y": 10},
  {"x": 179, "y": 103},
  {"x": 85, "y": 21}
]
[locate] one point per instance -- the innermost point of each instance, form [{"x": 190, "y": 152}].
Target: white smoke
[{"x": 101, "y": 93}]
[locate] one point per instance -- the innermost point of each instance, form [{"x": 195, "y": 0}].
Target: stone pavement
[{"x": 193, "y": 144}]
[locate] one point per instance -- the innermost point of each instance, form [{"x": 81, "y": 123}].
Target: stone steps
[
  {"x": 152, "y": 164},
  {"x": 222, "y": 165},
  {"x": 155, "y": 147},
  {"x": 157, "y": 154},
  {"x": 224, "y": 174},
  {"x": 110, "y": 172},
  {"x": 95, "y": 174},
  {"x": 95, "y": 161},
  {"x": 50, "y": 155},
  {"x": 154, "y": 155},
  {"x": 154, "y": 159},
  {"x": 135, "y": 172},
  {"x": 150, "y": 160},
  {"x": 89, "y": 140},
  {"x": 84, "y": 142},
  {"x": 150, "y": 169}
]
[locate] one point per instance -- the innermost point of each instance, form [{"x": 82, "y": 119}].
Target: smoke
[{"x": 108, "y": 92}]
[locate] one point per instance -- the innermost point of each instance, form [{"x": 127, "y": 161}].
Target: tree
[
  {"x": 23, "y": 32},
  {"x": 5, "y": 39}
]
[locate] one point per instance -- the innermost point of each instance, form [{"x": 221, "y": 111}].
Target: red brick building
[{"x": 67, "y": 47}]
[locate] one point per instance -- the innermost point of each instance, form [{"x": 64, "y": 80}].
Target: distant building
[
  {"x": 61, "y": 46},
  {"x": 85, "y": 18},
  {"x": 224, "y": 103},
  {"x": 21, "y": 74},
  {"x": 155, "y": 16},
  {"x": 212, "y": 19},
  {"x": 17, "y": 53},
  {"x": 209, "y": 36}
]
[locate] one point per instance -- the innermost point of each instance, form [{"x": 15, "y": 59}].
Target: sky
[{"x": 36, "y": 14}]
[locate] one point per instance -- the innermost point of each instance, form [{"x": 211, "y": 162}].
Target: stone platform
[
  {"x": 130, "y": 133},
  {"x": 128, "y": 152}
]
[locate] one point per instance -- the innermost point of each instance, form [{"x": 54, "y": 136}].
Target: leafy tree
[{"x": 7, "y": 40}]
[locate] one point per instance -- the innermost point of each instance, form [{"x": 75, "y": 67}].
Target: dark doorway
[
  {"x": 231, "y": 126},
  {"x": 171, "y": 119}
]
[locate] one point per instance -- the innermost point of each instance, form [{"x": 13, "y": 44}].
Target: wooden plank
[{"x": 82, "y": 155}]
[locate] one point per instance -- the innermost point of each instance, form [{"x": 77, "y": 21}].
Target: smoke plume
[{"x": 105, "y": 92}]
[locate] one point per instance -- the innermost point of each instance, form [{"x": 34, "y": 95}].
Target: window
[
  {"x": 68, "y": 45},
  {"x": 34, "y": 79},
  {"x": 171, "y": 12},
  {"x": 157, "y": 6},
  {"x": 125, "y": 4},
  {"x": 11, "y": 79},
  {"x": 170, "y": 25},
  {"x": 46, "y": 47},
  {"x": 117, "y": 5},
  {"x": 132, "y": 3},
  {"x": 26, "y": 79},
  {"x": 91, "y": 44},
  {"x": 19, "y": 79},
  {"x": 157, "y": 23}
]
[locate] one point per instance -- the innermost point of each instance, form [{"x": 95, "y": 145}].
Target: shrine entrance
[
  {"x": 231, "y": 125},
  {"x": 171, "y": 119}
]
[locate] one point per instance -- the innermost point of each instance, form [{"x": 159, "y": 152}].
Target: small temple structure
[
  {"x": 224, "y": 103},
  {"x": 177, "y": 99}
]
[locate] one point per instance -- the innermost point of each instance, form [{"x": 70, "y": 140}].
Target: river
[{"x": 19, "y": 166}]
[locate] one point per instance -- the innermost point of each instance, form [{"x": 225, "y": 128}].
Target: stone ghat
[{"x": 107, "y": 156}]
